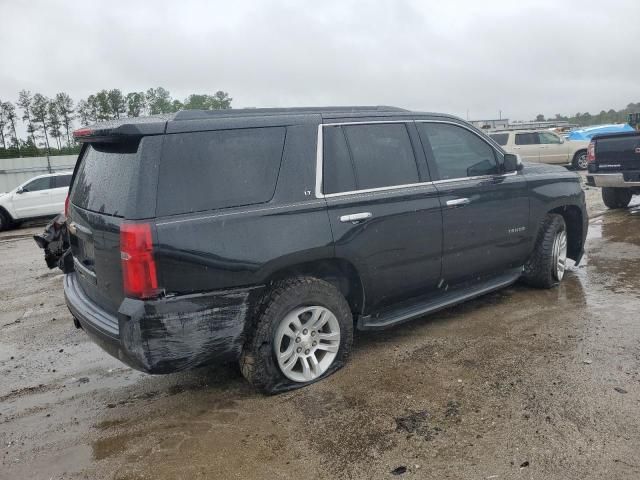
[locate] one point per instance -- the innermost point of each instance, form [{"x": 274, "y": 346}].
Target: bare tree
[
  {"x": 65, "y": 109},
  {"x": 40, "y": 112},
  {"x": 9, "y": 111},
  {"x": 24, "y": 102}
]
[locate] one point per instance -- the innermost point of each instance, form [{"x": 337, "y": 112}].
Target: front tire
[
  {"x": 547, "y": 264},
  {"x": 616, "y": 197},
  {"x": 580, "y": 160},
  {"x": 5, "y": 221},
  {"x": 303, "y": 333}
]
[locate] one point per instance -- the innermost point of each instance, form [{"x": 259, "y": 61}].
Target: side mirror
[
  {"x": 512, "y": 163},
  {"x": 20, "y": 190}
]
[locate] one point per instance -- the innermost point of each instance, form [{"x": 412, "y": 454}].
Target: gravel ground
[{"x": 521, "y": 383}]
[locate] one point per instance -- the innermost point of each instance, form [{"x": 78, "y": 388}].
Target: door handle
[
  {"x": 355, "y": 217},
  {"x": 458, "y": 202}
]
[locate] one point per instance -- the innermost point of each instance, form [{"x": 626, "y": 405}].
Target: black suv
[{"x": 269, "y": 235}]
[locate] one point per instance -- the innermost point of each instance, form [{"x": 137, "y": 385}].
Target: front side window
[
  {"x": 548, "y": 138},
  {"x": 527, "y": 139},
  {"x": 38, "y": 184},
  {"x": 457, "y": 152}
]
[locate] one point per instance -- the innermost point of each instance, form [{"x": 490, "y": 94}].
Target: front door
[
  {"x": 485, "y": 213},
  {"x": 33, "y": 199},
  {"x": 552, "y": 148},
  {"x": 384, "y": 212}
]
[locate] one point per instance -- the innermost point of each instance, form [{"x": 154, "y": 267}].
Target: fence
[{"x": 14, "y": 171}]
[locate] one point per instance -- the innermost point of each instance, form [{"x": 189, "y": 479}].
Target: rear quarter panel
[{"x": 243, "y": 246}]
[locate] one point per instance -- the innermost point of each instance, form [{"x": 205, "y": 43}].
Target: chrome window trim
[{"x": 319, "y": 160}]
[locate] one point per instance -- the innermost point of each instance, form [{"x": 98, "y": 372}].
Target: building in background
[{"x": 493, "y": 124}]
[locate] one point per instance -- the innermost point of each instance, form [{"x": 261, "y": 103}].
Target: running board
[{"x": 396, "y": 316}]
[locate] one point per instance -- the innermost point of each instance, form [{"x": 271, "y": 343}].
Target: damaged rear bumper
[{"x": 169, "y": 334}]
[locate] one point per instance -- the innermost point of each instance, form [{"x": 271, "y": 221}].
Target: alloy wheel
[
  {"x": 582, "y": 162},
  {"x": 306, "y": 343},
  {"x": 559, "y": 255}
]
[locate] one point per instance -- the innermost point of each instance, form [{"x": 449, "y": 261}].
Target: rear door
[
  {"x": 384, "y": 212},
  {"x": 35, "y": 198},
  {"x": 485, "y": 213},
  {"x": 527, "y": 145},
  {"x": 59, "y": 189}
]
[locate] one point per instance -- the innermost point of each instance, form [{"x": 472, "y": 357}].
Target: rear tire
[
  {"x": 272, "y": 360},
  {"x": 546, "y": 266},
  {"x": 580, "y": 160},
  {"x": 616, "y": 197}
]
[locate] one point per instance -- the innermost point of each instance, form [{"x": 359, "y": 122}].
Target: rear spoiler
[{"x": 123, "y": 131}]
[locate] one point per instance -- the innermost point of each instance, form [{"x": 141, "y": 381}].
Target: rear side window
[
  {"x": 359, "y": 157},
  {"x": 527, "y": 139},
  {"x": 60, "y": 181},
  {"x": 105, "y": 178},
  {"x": 500, "y": 138},
  {"x": 457, "y": 152},
  {"x": 338, "y": 174},
  {"x": 382, "y": 155},
  {"x": 38, "y": 184},
  {"x": 210, "y": 170}
]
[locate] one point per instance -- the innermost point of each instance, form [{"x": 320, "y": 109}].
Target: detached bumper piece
[
  {"x": 169, "y": 334},
  {"x": 54, "y": 240}
]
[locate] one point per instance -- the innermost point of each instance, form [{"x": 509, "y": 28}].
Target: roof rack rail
[{"x": 202, "y": 114}]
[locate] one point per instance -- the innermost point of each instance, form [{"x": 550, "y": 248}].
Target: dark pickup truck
[
  {"x": 268, "y": 236},
  {"x": 614, "y": 164}
]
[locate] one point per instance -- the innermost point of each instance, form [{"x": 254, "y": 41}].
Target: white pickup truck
[{"x": 40, "y": 197}]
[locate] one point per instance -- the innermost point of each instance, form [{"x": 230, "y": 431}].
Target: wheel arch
[
  {"x": 573, "y": 220},
  {"x": 339, "y": 272},
  {"x": 7, "y": 215}
]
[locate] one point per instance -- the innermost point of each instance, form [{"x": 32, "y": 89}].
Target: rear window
[
  {"x": 211, "y": 170},
  {"x": 105, "y": 178},
  {"x": 500, "y": 138}
]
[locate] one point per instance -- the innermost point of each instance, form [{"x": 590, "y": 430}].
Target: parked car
[
  {"x": 543, "y": 146},
  {"x": 614, "y": 165},
  {"x": 41, "y": 197},
  {"x": 267, "y": 236}
]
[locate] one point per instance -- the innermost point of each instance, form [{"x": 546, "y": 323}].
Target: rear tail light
[
  {"x": 82, "y": 132},
  {"x": 591, "y": 153},
  {"x": 66, "y": 206},
  {"x": 138, "y": 265}
]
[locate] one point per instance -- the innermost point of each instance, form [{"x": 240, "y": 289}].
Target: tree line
[
  {"x": 604, "y": 117},
  {"x": 49, "y": 122}
]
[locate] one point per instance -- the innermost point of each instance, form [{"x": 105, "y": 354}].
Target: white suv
[
  {"x": 544, "y": 147},
  {"x": 42, "y": 196}
]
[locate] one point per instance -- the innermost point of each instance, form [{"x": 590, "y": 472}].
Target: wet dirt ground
[{"x": 521, "y": 383}]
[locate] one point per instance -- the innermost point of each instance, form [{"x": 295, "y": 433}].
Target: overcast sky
[{"x": 519, "y": 56}]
